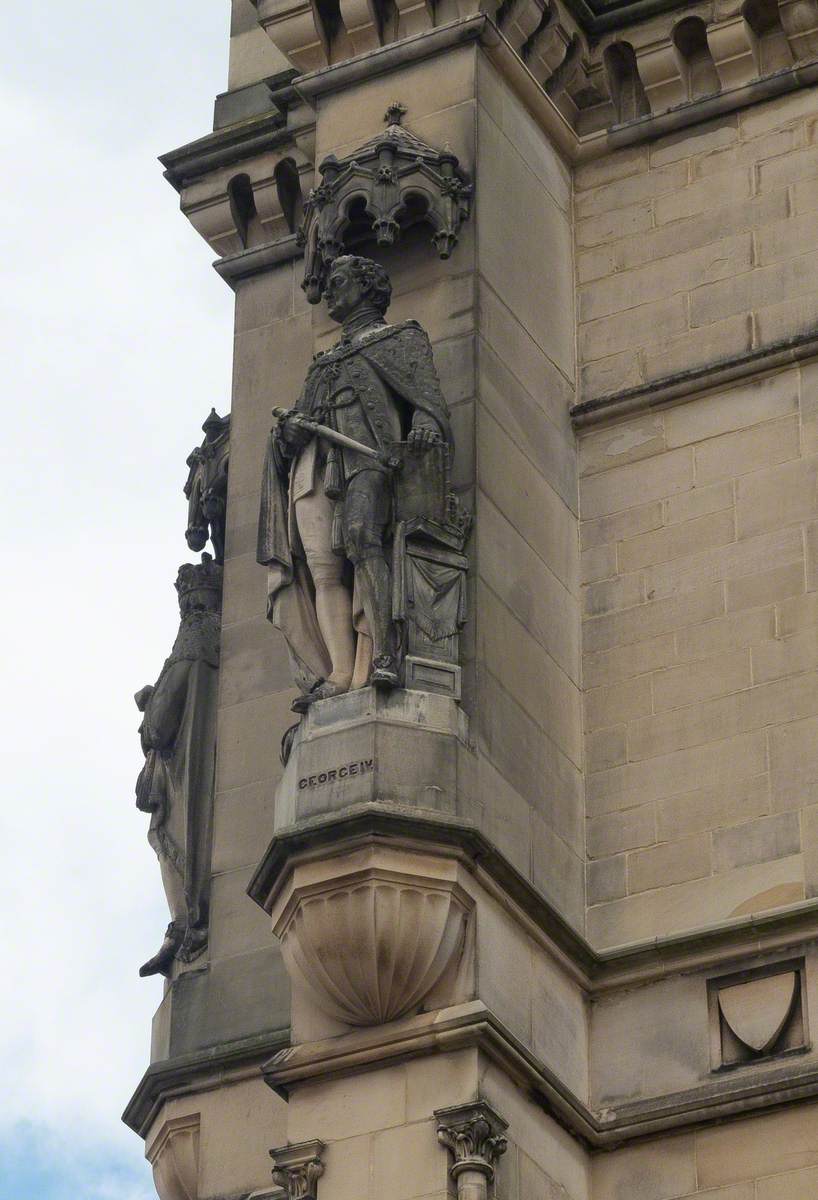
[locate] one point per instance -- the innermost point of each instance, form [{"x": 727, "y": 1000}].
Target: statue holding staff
[{"x": 327, "y": 511}]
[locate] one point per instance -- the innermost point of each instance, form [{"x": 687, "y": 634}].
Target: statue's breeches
[{"x": 367, "y": 509}]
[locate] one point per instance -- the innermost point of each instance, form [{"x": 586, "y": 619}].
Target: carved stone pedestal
[{"x": 401, "y": 747}]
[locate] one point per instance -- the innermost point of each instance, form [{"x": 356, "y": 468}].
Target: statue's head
[
  {"x": 199, "y": 586},
  {"x": 353, "y": 281}
]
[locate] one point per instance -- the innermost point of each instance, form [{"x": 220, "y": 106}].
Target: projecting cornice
[
  {"x": 196, "y": 1071},
  {"x": 604, "y": 63},
  {"x": 685, "y": 385},
  {"x": 596, "y": 971},
  {"x": 474, "y": 1025}
]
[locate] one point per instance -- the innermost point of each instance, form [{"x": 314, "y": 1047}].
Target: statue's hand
[
  {"x": 293, "y": 432},
  {"x": 423, "y": 435}
]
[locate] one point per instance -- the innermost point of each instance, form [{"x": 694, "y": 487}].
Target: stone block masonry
[
  {"x": 700, "y": 661},
  {"x": 699, "y": 247}
]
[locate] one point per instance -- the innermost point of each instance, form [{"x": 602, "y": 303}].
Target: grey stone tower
[{"x": 529, "y": 907}]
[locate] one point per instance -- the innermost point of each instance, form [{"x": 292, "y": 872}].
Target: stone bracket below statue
[
  {"x": 402, "y": 747},
  {"x": 372, "y": 932}
]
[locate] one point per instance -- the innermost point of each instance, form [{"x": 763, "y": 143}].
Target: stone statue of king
[{"x": 326, "y": 520}]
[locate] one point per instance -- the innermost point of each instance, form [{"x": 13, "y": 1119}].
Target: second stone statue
[{"x": 371, "y": 411}]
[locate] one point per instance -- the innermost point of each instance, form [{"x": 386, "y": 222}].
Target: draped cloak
[
  {"x": 175, "y": 786},
  {"x": 398, "y": 356}
]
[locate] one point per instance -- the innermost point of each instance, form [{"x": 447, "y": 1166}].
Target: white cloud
[{"x": 116, "y": 341}]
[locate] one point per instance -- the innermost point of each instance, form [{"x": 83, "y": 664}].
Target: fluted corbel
[
  {"x": 297, "y": 1169},
  {"x": 473, "y": 1135}
]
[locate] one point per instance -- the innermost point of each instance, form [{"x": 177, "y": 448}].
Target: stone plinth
[{"x": 399, "y": 747}]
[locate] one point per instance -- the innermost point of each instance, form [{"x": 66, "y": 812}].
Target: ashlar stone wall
[
  {"x": 528, "y": 719},
  {"x": 772, "y": 1157},
  {"x": 699, "y": 246},
  {"x": 700, "y": 561},
  {"x": 272, "y": 348},
  {"x": 698, "y": 525}
]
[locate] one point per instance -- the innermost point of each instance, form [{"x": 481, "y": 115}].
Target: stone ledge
[
  {"x": 596, "y": 971},
  {"x": 193, "y": 1072},
  {"x": 694, "y": 112},
  {"x": 233, "y": 268},
  {"x": 224, "y": 147},
  {"x": 687, "y": 385},
  {"x": 473, "y": 1024}
]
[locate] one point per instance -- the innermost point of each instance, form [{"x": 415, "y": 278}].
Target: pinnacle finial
[{"x": 395, "y": 113}]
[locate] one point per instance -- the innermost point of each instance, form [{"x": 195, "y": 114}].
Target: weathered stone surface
[
  {"x": 175, "y": 785},
  {"x": 333, "y": 462}
]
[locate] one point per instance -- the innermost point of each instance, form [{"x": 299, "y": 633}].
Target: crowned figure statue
[{"x": 175, "y": 785}]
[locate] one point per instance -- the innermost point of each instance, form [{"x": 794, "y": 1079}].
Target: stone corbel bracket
[
  {"x": 297, "y": 1169},
  {"x": 474, "y": 1136},
  {"x": 393, "y": 181},
  {"x": 174, "y": 1156},
  {"x": 369, "y": 933}
]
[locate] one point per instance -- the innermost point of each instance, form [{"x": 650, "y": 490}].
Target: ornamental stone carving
[
  {"x": 297, "y": 1169},
  {"x": 174, "y": 1158},
  {"x": 175, "y": 785},
  {"x": 361, "y": 537},
  {"x": 206, "y": 487},
  {"x": 393, "y": 181},
  {"x": 371, "y": 933},
  {"x": 757, "y": 1013},
  {"x": 473, "y": 1135}
]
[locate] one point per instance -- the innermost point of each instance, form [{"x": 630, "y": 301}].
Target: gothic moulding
[
  {"x": 389, "y": 183},
  {"x": 174, "y": 1158},
  {"x": 473, "y": 1135},
  {"x": 370, "y": 932},
  {"x": 297, "y": 1169},
  {"x": 243, "y": 186},
  {"x": 598, "y": 73}
]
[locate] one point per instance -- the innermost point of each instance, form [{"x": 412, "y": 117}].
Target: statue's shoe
[
  {"x": 195, "y": 941},
  {"x": 161, "y": 961},
  {"x": 384, "y": 674},
  {"x": 302, "y": 702},
  {"x": 322, "y": 691}
]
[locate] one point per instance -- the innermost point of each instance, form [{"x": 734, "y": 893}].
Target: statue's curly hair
[{"x": 372, "y": 277}]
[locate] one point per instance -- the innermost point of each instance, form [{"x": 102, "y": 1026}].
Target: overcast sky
[{"x": 116, "y": 341}]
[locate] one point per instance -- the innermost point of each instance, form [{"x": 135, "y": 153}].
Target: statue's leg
[
  {"x": 161, "y": 962},
  {"x": 366, "y": 514},
  {"x": 333, "y": 602}
]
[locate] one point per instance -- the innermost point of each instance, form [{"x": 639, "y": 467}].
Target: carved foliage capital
[
  {"x": 473, "y": 1134},
  {"x": 298, "y": 1168}
]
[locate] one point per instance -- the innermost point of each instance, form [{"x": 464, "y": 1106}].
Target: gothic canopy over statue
[{"x": 392, "y": 182}]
